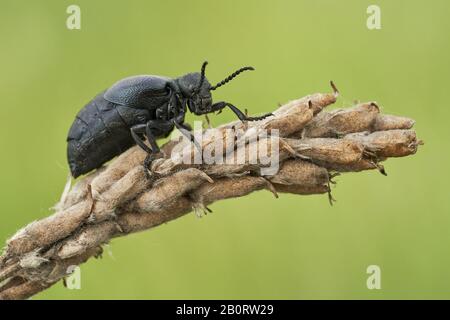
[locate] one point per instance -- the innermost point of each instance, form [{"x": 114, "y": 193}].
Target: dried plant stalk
[{"x": 119, "y": 199}]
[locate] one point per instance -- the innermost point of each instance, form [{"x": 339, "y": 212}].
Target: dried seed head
[{"x": 342, "y": 121}]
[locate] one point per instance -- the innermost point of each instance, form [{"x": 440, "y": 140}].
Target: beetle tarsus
[
  {"x": 147, "y": 165},
  {"x": 258, "y": 117},
  {"x": 241, "y": 115}
]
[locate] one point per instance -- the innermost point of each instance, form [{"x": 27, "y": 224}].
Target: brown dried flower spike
[{"x": 118, "y": 199}]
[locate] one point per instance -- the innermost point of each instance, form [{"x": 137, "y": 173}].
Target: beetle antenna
[
  {"x": 202, "y": 76},
  {"x": 230, "y": 77}
]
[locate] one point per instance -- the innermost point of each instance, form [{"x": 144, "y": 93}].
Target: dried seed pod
[
  {"x": 86, "y": 239},
  {"x": 391, "y": 143},
  {"x": 357, "y": 166},
  {"x": 50, "y": 229},
  {"x": 338, "y": 151},
  {"x": 299, "y": 189},
  {"x": 59, "y": 268},
  {"x": 319, "y": 101},
  {"x": 225, "y": 188},
  {"x": 292, "y": 121},
  {"x": 301, "y": 173},
  {"x": 122, "y": 191},
  {"x": 230, "y": 170},
  {"x": 168, "y": 190},
  {"x": 21, "y": 289},
  {"x": 117, "y": 169},
  {"x": 342, "y": 121},
  {"x": 389, "y": 122},
  {"x": 316, "y": 102},
  {"x": 135, "y": 221}
]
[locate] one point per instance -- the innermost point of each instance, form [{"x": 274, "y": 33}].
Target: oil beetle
[{"x": 138, "y": 107}]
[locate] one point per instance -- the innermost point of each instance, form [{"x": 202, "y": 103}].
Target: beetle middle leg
[
  {"x": 218, "y": 106},
  {"x": 161, "y": 129},
  {"x": 136, "y": 131}
]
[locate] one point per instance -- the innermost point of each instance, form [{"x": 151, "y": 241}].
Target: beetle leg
[
  {"x": 184, "y": 129},
  {"x": 164, "y": 128},
  {"x": 151, "y": 152},
  {"x": 150, "y": 137},
  {"x": 175, "y": 100},
  {"x": 220, "y": 105},
  {"x": 187, "y": 126},
  {"x": 135, "y": 131}
]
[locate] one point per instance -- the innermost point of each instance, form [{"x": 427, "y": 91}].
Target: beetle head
[{"x": 197, "y": 90}]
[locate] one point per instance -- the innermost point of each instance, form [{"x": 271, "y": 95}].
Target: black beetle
[{"x": 137, "y": 107}]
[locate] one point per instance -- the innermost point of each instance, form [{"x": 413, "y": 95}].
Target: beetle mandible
[{"x": 141, "y": 107}]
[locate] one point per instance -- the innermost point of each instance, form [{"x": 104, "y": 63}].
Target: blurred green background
[{"x": 254, "y": 247}]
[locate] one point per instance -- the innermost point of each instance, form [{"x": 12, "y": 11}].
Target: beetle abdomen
[{"x": 97, "y": 135}]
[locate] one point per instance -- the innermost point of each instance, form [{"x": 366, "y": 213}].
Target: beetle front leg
[
  {"x": 222, "y": 104},
  {"x": 186, "y": 131}
]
